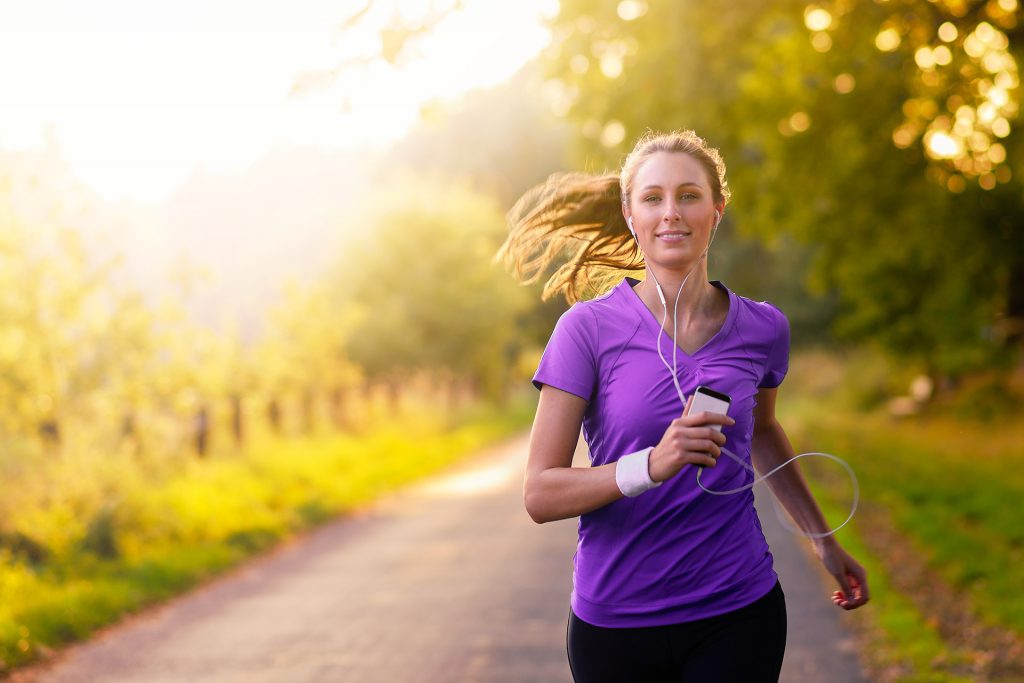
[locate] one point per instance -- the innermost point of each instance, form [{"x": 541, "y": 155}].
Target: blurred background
[{"x": 240, "y": 241}]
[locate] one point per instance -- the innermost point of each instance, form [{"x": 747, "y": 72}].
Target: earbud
[
  {"x": 661, "y": 294},
  {"x": 718, "y": 218}
]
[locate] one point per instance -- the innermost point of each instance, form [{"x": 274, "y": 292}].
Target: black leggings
[{"x": 745, "y": 645}]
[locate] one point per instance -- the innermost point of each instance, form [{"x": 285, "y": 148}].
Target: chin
[{"x": 676, "y": 259}]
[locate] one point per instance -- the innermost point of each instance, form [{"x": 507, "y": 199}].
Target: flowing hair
[{"x": 577, "y": 217}]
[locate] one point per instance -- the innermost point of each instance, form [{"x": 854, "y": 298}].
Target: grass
[
  {"x": 951, "y": 490},
  {"x": 79, "y": 557},
  {"x": 957, "y": 500},
  {"x": 901, "y": 640}
]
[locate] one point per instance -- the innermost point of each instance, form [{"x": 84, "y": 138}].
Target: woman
[{"x": 670, "y": 582}]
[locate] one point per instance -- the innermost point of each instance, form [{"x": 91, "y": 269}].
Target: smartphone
[{"x": 707, "y": 400}]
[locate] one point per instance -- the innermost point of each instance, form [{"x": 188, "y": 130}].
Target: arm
[
  {"x": 554, "y": 489},
  {"x": 770, "y": 447}
]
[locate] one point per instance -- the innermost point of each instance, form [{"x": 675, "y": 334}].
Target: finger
[
  {"x": 844, "y": 585},
  {"x": 705, "y": 447},
  {"x": 839, "y": 600},
  {"x": 702, "y": 459},
  {"x": 716, "y": 418},
  {"x": 860, "y": 595},
  {"x": 705, "y": 433},
  {"x": 686, "y": 408},
  {"x": 848, "y": 601},
  {"x": 861, "y": 577}
]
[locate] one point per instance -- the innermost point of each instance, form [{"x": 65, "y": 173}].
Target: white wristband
[{"x": 632, "y": 473}]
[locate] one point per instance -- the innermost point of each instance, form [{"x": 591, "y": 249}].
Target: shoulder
[
  {"x": 602, "y": 313},
  {"x": 763, "y": 316},
  {"x": 576, "y": 329},
  {"x": 579, "y": 317}
]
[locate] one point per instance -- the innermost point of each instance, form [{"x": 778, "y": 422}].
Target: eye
[
  {"x": 688, "y": 196},
  {"x": 651, "y": 198}
]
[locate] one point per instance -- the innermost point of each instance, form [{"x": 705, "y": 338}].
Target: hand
[
  {"x": 852, "y": 578},
  {"x": 688, "y": 440}
]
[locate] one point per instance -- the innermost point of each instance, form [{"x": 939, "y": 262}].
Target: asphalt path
[{"x": 447, "y": 580}]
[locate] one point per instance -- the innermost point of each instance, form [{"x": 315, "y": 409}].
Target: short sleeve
[
  {"x": 569, "y": 361},
  {"x": 777, "y": 363}
]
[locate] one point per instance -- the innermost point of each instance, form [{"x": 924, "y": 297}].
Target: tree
[
  {"x": 424, "y": 291},
  {"x": 70, "y": 340},
  {"x": 304, "y": 352},
  {"x": 831, "y": 140}
]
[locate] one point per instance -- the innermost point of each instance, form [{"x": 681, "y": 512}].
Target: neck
[{"x": 695, "y": 290}]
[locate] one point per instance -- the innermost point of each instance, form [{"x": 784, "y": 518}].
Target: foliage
[
  {"x": 424, "y": 290},
  {"x": 118, "y": 542},
  {"x": 70, "y": 343},
  {"x": 814, "y": 125},
  {"x": 948, "y": 485}
]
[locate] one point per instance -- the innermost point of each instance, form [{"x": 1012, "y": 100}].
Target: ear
[{"x": 626, "y": 213}]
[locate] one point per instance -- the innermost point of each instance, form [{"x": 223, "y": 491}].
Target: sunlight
[
  {"x": 137, "y": 98},
  {"x": 474, "y": 483}
]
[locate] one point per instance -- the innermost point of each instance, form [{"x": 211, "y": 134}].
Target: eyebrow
[{"x": 658, "y": 187}]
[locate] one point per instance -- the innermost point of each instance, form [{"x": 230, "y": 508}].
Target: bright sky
[{"x": 137, "y": 94}]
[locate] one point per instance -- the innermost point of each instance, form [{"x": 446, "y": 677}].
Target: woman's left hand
[{"x": 852, "y": 578}]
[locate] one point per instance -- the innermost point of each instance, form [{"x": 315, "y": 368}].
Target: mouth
[{"x": 673, "y": 235}]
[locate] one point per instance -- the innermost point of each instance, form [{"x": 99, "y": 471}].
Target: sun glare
[{"x": 138, "y": 98}]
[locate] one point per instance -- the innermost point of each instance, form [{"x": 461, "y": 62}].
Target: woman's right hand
[{"x": 688, "y": 440}]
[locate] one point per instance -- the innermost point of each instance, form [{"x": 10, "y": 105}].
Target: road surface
[{"x": 448, "y": 580}]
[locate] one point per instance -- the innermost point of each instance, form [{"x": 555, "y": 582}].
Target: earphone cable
[{"x": 673, "y": 369}]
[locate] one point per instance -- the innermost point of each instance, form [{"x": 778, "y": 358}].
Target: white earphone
[{"x": 673, "y": 370}]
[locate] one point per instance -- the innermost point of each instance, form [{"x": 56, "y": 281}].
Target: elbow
[
  {"x": 534, "y": 503},
  {"x": 536, "y": 515}
]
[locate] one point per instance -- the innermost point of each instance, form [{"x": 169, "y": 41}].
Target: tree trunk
[
  {"x": 274, "y": 415},
  {"x": 337, "y": 400},
  {"x": 202, "y": 431},
  {"x": 1013, "y": 323},
  {"x": 237, "y": 420}
]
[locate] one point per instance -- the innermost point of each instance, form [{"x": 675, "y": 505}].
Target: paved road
[{"x": 447, "y": 581}]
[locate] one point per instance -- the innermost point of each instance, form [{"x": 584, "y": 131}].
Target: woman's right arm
[{"x": 554, "y": 489}]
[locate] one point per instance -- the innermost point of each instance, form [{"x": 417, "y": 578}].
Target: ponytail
[
  {"x": 573, "y": 217},
  {"x": 578, "y": 218}
]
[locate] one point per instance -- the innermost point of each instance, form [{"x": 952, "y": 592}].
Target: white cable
[
  {"x": 757, "y": 480},
  {"x": 675, "y": 315},
  {"x": 673, "y": 369}
]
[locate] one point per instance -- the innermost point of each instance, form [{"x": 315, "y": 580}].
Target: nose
[{"x": 672, "y": 213}]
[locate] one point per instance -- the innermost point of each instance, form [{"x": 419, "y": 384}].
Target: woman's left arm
[{"x": 770, "y": 447}]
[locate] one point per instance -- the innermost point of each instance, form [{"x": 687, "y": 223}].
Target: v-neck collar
[{"x": 654, "y": 324}]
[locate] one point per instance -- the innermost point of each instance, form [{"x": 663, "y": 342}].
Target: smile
[{"x": 673, "y": 236}]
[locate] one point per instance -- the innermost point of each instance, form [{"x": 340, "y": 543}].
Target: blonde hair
[{"x": 578, "y": 217}]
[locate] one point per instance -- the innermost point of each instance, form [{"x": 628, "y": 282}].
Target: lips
[{"x": 672, "y": 235}]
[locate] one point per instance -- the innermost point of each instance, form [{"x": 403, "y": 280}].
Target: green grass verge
[
  {"x": 952, "y": 489},
  {"x": 902, "y": 637},
  {"x": 151, "y": 540}
]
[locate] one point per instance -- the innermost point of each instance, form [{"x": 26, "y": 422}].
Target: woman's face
[{"x": 673, "y": 208}]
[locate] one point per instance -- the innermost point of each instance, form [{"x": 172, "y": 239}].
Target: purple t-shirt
[{"x": 673, "y": 553}]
